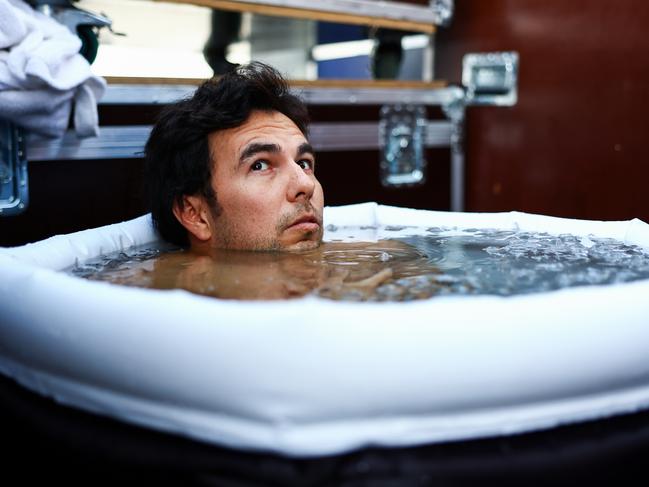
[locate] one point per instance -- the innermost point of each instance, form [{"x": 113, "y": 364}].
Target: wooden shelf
[
  {"x": 387, "y": 14},
  {"x": 322, "y": 83},
  {"x": 143, "y": 81}
]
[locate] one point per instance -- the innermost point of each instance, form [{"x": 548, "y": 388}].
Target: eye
[
  {"x": 259, "y": 165},
  {"x": 305, "y": 164}
]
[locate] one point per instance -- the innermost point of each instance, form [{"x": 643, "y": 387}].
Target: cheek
[
  {"x": 251, "y": 206},
  {"x": 238, "y": 197}
]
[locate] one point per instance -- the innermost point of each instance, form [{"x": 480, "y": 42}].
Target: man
[{"x": 231, "y": 167}]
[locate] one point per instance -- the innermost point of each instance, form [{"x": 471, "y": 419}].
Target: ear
[{"x": 194, "y": 214}]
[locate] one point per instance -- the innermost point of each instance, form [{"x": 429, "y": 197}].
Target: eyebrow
[
  {"x": 256, "y": 148},
  {"x": 305, "y": 148}
]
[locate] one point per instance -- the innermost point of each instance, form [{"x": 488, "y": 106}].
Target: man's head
[{"x": 231, "y": 167}]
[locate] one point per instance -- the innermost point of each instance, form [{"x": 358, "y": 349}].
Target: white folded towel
[{"x": 42, "y": 74}]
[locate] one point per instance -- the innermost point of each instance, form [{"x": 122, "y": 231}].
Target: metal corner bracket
[{"x": 442, "y": 11}]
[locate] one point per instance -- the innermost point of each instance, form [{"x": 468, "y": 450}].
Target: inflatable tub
[{"x": 311, "y": 376}]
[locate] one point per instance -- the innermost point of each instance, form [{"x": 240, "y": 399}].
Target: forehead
[{"x": 259, "y": 127}]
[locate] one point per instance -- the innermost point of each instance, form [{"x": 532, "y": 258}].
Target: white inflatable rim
[{"x": 311, "y": 376}]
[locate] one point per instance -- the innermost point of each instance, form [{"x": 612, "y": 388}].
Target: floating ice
[{"x": 513, "y": 262}]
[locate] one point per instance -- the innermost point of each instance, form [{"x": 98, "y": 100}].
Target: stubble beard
[{"x": 231, "y": 238}]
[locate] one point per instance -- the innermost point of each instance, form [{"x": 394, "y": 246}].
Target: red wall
[{"x": 575, "y": 145}]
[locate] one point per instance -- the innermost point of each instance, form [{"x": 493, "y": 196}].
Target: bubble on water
[
  {"x": 446, "y": 279},
  {"x": 390, "y": 292},
  {"x": 550, "y": 266}
]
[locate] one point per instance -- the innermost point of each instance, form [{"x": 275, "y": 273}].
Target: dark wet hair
[{"x": 177, "y": 155}]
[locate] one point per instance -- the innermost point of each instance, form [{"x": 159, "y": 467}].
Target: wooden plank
[
  {"x": 313, "y": 14},
  {"x": 369, "y": 84},
  {"x": 322, "y": 83},
  {"x": 139, "y": 80}
]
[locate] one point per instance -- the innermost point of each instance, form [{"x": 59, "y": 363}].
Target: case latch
[
  {"x": 402, "y": 134},
  {"x": 490, "y": 78}
]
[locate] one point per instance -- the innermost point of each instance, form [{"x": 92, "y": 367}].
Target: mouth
[{"x": 306, "y": 223}]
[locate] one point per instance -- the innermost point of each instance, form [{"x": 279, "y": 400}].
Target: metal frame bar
[
  {"x": 125, "y": 94},
  {"x": 145, "y": 94},
  {"x": 455, "y": 110},
  {"x": 125, "y": 142},
  {"x": 376, "y": 96}
]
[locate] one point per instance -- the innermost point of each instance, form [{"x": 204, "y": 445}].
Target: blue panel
[
  {"x": 356, "y": 67},
  {"x": 329, "y": 32}
]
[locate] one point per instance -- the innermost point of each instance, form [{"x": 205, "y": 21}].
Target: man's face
[{"x": 263, "y": 176}]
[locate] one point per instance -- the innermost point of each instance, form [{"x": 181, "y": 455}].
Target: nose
[{"x": 301, "y": 185}]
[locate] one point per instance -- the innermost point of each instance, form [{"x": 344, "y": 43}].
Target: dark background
[{"x": 573, "y": 146}]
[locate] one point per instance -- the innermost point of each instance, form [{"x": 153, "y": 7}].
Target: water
[{"x": 425, "y": 264}]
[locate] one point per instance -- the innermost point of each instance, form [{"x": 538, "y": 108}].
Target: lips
[{"x": 306, "y": 222}]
